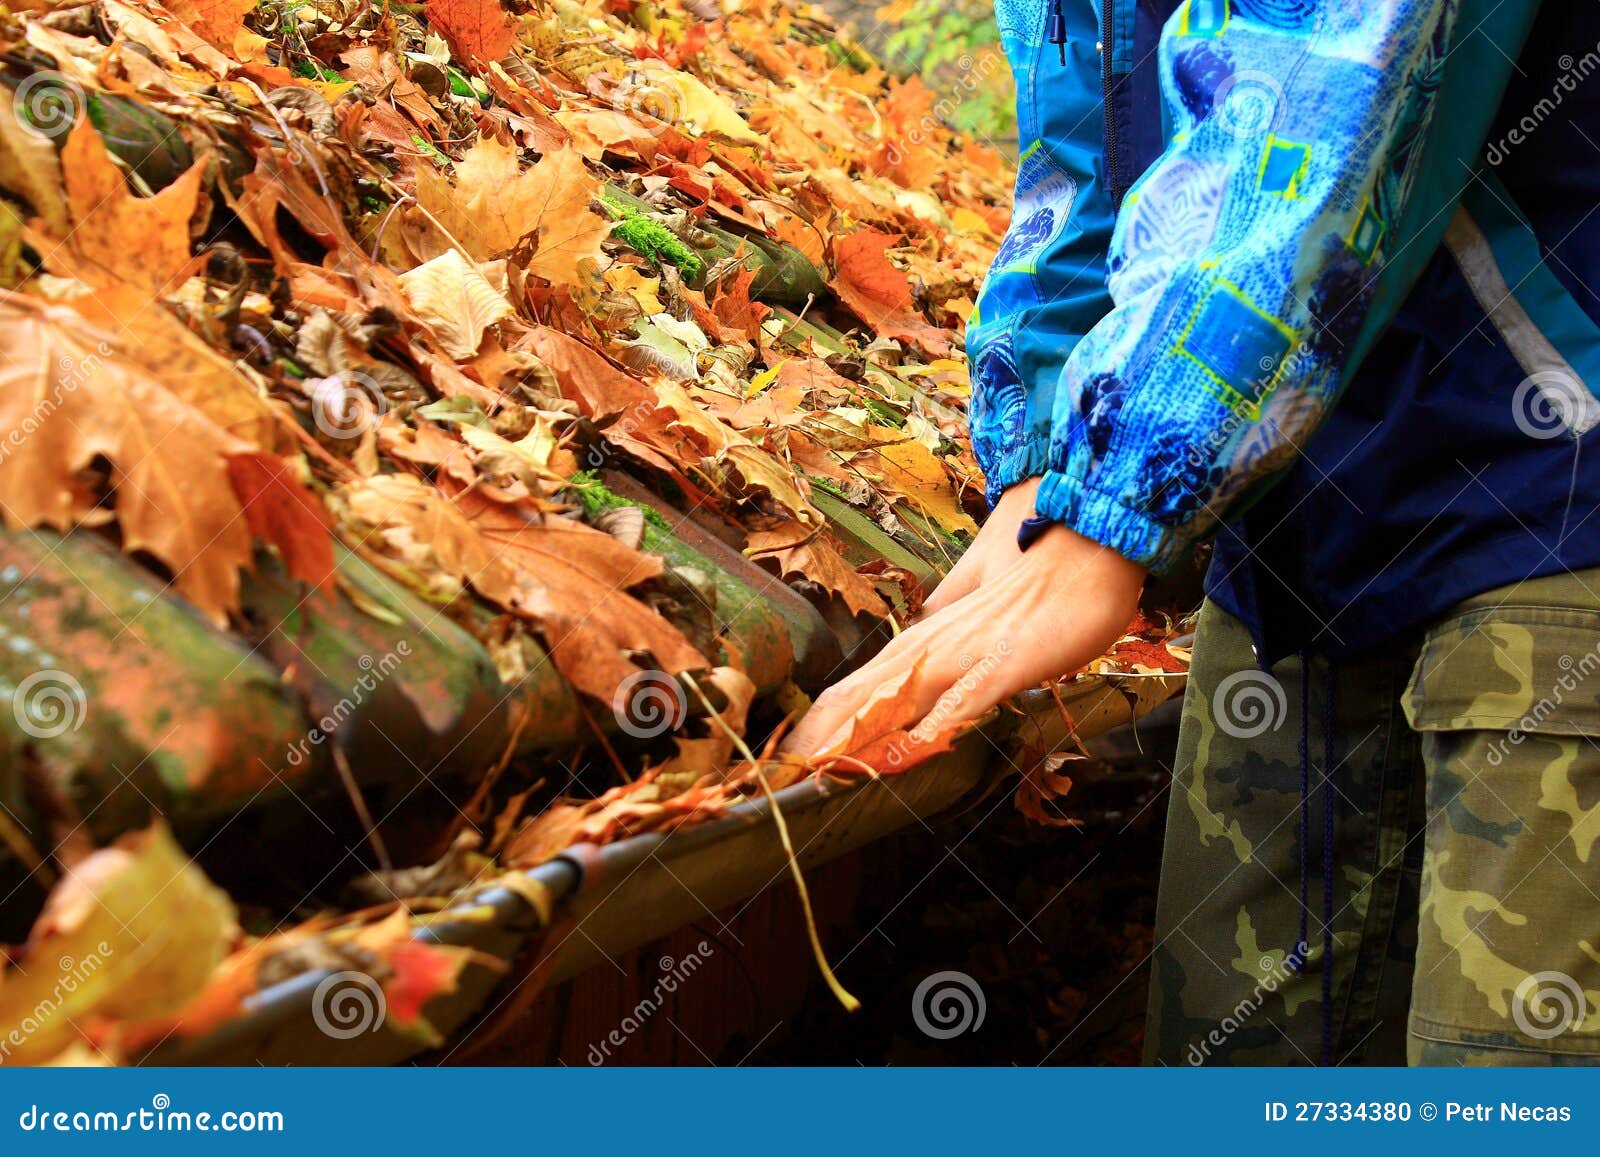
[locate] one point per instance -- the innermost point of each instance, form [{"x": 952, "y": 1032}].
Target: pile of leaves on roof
[{"x": 290, "y": 280}]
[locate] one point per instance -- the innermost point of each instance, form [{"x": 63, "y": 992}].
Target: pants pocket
[{"x": 1507, "y": 699}]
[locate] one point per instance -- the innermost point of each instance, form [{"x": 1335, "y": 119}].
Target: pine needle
[
  {"x": 850, "y": 1003},
  {"x": 363, "y": 813}
]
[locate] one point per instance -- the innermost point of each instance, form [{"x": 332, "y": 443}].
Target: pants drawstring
[
  {"x": 1302, "y": 947},
  {"x": 1327, "y": 865}
]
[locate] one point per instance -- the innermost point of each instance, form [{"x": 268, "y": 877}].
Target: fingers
[
  {"x": 1057, "y": 608},
  {"x": 937, "y": 653},
  {"x": 962, "y": 580}
]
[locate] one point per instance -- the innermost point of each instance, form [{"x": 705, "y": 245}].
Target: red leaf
[
  {"x": 281, "y": 511},
  {"x": 880, "y": 294},
  {"x": 421, "y": 972}
]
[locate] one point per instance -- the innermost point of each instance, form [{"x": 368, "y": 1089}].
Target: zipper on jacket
[
  {"x": 1108, "y": 85},
  {"x": 1058, "y": 28}
]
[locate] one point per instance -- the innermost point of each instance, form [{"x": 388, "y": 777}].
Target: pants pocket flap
[{"x": 1512, "y": 668}]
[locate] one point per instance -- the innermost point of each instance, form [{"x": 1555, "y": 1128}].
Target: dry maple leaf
[
  {"x": 806, "y": 551},
  {"x": 278, "y": 509},
  {"x": 30, "y": 168},
  {"x": 733, "y": 310},
  {"x": 219, "y": 21},
  {"x": 455, "y": 301},
  {"x": 623, "y": 811},
  {"x": 145, "y": 333},
  {"x": 496, "y": 202},
  {"x": 758, "y": 469},
  {"x": 117, "y": 238},
  {"x": 1044, "y": 783},
  {"x": 66, "y": 398},
  {"x": 698, "y": 758},
  {"x": 478, "y": 30},
  {"x": 910, "y": 472},
  {"x": 417, "y": 971},
  {"x": 879, "y": 293},
  {"x": 887, "y": 736},
  {"x": 138, "y": 928},
  {"x": 169, "y": 462},
  {"x": 571, "y": 579}
]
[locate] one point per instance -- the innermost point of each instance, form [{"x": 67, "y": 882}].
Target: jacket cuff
[
  {"x": 1105, "y": 519},
  {"x": 1029, "y": 458}
]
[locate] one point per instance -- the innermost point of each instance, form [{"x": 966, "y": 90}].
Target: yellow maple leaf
[
  {"x": 496, "y": 203},
  {"x": 134, "y": 930}
]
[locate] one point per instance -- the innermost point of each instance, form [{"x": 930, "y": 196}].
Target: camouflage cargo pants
[{"x": 1461, "y": 823}]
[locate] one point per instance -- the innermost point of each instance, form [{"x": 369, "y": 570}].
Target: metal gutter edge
[{"x": 619, "y": 896}]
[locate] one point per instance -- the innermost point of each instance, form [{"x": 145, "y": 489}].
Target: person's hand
[
  {"x": 1054, "y": 609},
  {"x": 992, "y": 552}
]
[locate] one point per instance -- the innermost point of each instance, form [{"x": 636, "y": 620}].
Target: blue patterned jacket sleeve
[
  {"x": 1243, "y": 262},
  {"x": 1047, "y": 285}
]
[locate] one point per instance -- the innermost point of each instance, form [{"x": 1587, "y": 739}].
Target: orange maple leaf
[
  {"x": 887, "y": 734},
  {"x": 116, "y": 237},
  {"x": 571, "y": 579},
  {"x": 496, "y": 202},
  {"x": 281, "y": 511},
  {"x": 69, "y": 397},
  {"x": 809, "y": 553},
  {"x": 219, "y": 21},
  {"x": 879, "y": 294},
  {"x": 476, "y": 29}
]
